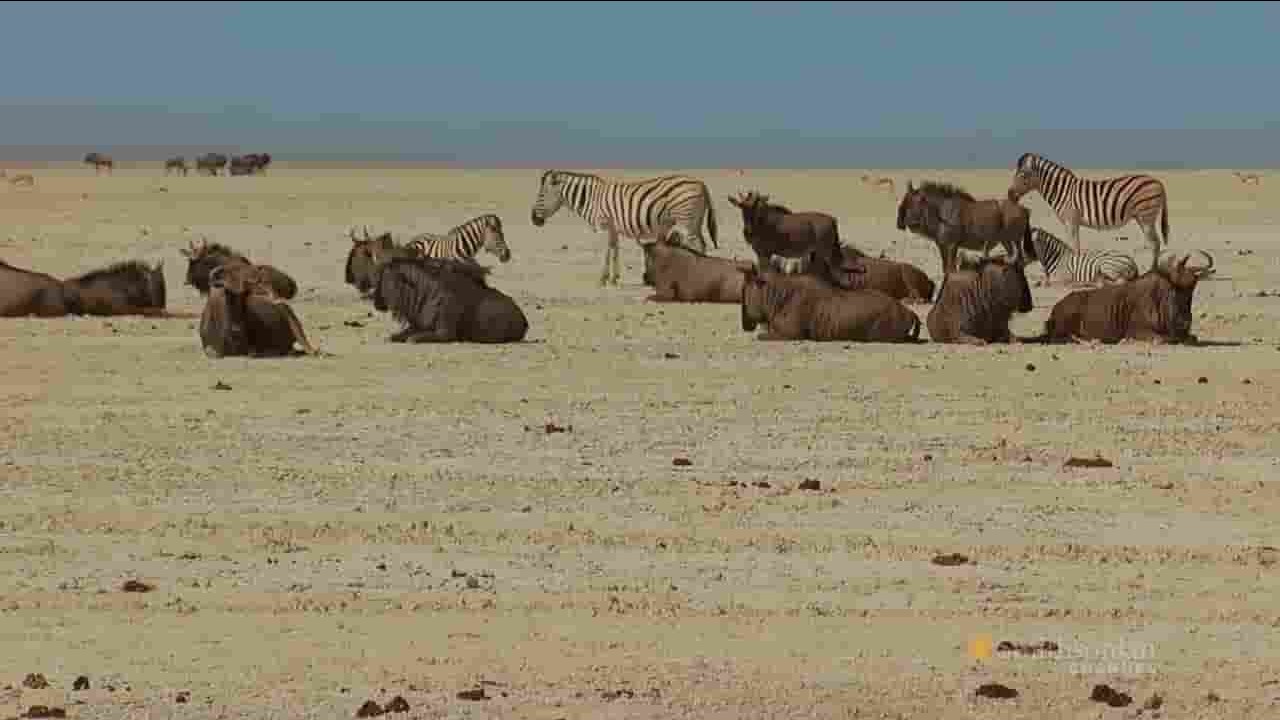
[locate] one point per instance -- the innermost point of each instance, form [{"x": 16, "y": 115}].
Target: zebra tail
[
  {"x": 711, "y": 215},
  {"x": 1164, "y": 222}
]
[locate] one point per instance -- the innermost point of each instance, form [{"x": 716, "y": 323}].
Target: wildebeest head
[
  {"x": 1008, "y": 277},
  {"x": 1181, "y": 273},
  {"x": 753, "y": 206},
  {"x": 202, "y": 258},
  {"x": 550, "y": 198},
  {"x": 494, "y": 240},
  {"x": 755, "y": 288},
  {"x": 915, "y": 212},
  {"x": 1025, "y": 178},
  {"x": 363, "y": 257}
]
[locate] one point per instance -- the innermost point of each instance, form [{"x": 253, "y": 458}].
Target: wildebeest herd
[{"x": 805, "y": 283}]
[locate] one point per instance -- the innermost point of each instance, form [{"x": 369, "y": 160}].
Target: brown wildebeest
[
  {"x": 124, "y": 288},
  {"x": 771, "y": 229},
  {"x": 364, "y": 256},
  {"x": 446, "y": 300},
  {"x": 99, "y": 161},
  {"x": 1155, "y": 307},
  {"x": 251, "y": 164},
  {"x": 175, "y": 164},
  {"x": 807, "y": 307},
  {"x": 26, "y": 293},
  {"x": 203, "y": 257},
  {"x": 681, "y": 274},
  {"x": 976, "y": 303},
  {"x": 211, "y": 163},
  {"x": 243, "y": 316},
  {"x": 952, "y": 219}
]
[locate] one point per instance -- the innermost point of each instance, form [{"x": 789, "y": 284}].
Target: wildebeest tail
[
  {"x": 915, "y": 329},
  {"x": 1164, "y": 222},
  {"x": 711, "y": 215}
]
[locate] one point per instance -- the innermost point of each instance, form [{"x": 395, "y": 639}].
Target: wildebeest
[
  {"x": 807, "y": 307},
  {"x": 681, "y": 274},
  {"x": 774, "y": 230},
  {"x": 243, "y": 316},
  {"x": 203, "y": 257},
  {"x": 446, "y": 300},
  {"x": 1155, "y": 307},
  {"x": 175, "y": 164},
  {"x": 211, "y": 163},
  {"x": 99, "y": 162},
  {"x": 26, "y": 293},
  {"x": 976, "y": 303},
  {"x": 123, "y": 288},
  {"x": 250, "y": 164},
  {"x": 366, "y": 253},
  {"x": 952, "y": 219}
]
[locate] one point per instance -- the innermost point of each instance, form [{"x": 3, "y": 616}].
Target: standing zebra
[
  {"x": 465, "y": 240},
  {"x": 1086, "y": 266},
  {"x": 1105, "y": 204},
  {"x": 639, "y": 210}
]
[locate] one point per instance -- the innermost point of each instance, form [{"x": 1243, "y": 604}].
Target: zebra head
[
  {"x": 494, "y": 241},
  {"x": 1026, "y": 176},
  {"x": 550, "y": 198}
]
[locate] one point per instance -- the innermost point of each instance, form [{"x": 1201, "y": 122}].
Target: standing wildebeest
[
  {"x": 202, "y": 258},
  {"x": 175, "y": 164},
  {"x": 446, "y": 300},
  {"x": 952, "y": 219},
  {"x": 211, "y": 163},
  {"x": 1104, "y": 204},
  {"x": 366, "y": 253},
  {"x": 124, "y": 288},
  {"x": 975, "y": 304},
  {"x": 243, "y": 316},
  {"x": 99, "y": 161},
  {"x": 1155, "y": 307},
  {"x": 253, "y": 163},
  {"x": 773, "y": 230},
  {"x": 807, "y": 307},
  {"x": 684, "y": 275},
  {"x": 27, "y": 292}
]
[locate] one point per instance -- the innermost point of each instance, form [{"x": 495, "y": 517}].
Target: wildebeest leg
[
  {"x": 295, "y": 326},
  {"x": 964, "y": 339}
]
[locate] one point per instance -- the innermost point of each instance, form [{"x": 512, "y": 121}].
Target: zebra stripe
[
  {"x": 1086, "y": 266},
  {"x": 641, "y": 210},
  {"x": 1105, "y": 204},
  {"x": 465, "y": 240}
]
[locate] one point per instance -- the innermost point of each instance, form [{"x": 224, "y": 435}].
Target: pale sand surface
[{"x": 380, "y": 522}]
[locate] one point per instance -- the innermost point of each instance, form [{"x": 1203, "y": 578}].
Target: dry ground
[{"x": 395, "y": 520}]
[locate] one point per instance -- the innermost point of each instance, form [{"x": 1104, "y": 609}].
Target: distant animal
[
  {"x": 99, "y": 162},
  {"x": 23, "y": 179},
  {"x": 251, "y": 164},
  {"x": 1155, "y": 307},
  {"x": 465, "y": 240},
  {"x": 876, "y": 182},
  {"x": 684, "y": 275},
  {"x": 1247, "y": 178},
  {"x": 203, "y": 257},
  {"x": 954, "y": 219},
  {"x": 175, "y": 164},
  {"x": 1086, "y": 266},
  {"x": 445, "y": 300},
  {"x": 1104, "y": 204},
  {"x": 807, "y": 307},
  {"x": 366, "y": 253},
  {"x": 772, "y": 230},
  {"x": 25, "y": 293},
  {"x": 124, "y": 288},
  {"x": 976, "y": 303},
  {"x": 211, "y": 163},
  {"x": 634, "y": 209},
  {"x": 242, "y": 316}
]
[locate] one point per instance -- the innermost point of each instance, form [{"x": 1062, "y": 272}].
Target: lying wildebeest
[
  {"x": 445, "y": 300},
  {"x": 26, "y": 293},
  {"x": 807, "y": 307},
  {"x": 99, "y": 162},
  {"x": 774, "y": 230},
  {"x": 366, "y": 253},
  {"x": 952, "y": 219},
  {"x": 681, "y": 274},
  {"x": 175, "y": 164},
  {"x": 857, "y": 270},
  {"x": 124, "y": 288},
  {"x": 1155, "y": 307},
  {"x": 202, "y": 258},
  {"x": 211, "y": 163},
  {"x": 976, "y": 303},
  {"x": 243, "y": 316}
]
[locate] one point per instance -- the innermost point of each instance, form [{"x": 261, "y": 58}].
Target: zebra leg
[
  {"x": 609, "y": 243},
  {"x": 617, "y": 261},
  {"x": 1154, "y": 241}
]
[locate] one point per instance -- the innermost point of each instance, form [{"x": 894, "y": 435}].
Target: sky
[{"x": 684, "y": 84}]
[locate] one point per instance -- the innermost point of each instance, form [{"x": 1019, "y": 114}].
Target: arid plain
[{"x": 397, "y": 520}]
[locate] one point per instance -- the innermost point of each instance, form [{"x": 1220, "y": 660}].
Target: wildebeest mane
[
  {"x": 944, "y": 190},
  {"x": 135, "y": 268}
]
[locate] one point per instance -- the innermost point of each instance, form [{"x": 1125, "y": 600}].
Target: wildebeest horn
[
  {"x": 1182, "y": 264},
  {"x": 910, "y": 187}
]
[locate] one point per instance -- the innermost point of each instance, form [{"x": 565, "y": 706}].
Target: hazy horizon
[{"x": 763, "y": 85}]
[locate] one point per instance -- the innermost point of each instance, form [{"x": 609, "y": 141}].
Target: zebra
[
  {"x": 465, "y": 240},
  {"x": 1105, "y": 204},
  {"x": 639, "y": 209},
  {"x": 1085, "y": 267}
]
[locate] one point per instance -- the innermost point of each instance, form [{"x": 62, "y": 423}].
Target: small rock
[
  {"x": 369, "y": 709},
  {"x": 810, "y": 485},
  {"x": 1093, "y": 462},
  {"x": 381, "y": 566},
  {"x": 681, "y": 462},
  {"x": 928, "y": 457},
  {"x": 1213, "y": 697},
  {"x": 81, "y": 683},
  {"x": 1155, "y": 702},
  {"x": 35, "y": 681},
  {"x": 353, "y": 323},
  {"x": 671, "y": 356},
  {"x": 950, "y": 559},
  {"x": 1247, "y": 381},
  {"x": 615, "y": 694},
  {"x": 183, "y": 697},
  {"x": 398, "y": 705},
  {"x": 996, "y": 691},
  {"x": 221, "y": 386},
  {"x": 1105, "y": 694},
  {"x": 1031, "y": 367},
  {"x": 1157, "y": 381},
  {"x": 136, "y": 586},
  {"x": 476, "y": 694},
  {"x": 44, "y": 711},
  {"x": 551, "y": 427},
  {"x": 1203, "y": 380}
]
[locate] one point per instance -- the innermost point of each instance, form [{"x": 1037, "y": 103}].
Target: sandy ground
[{"x": 395, "y": 520}]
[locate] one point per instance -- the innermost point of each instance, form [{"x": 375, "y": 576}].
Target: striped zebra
[
  {"x": 1105, "y": 204},
  {"x": 641, "y": 210},
  {"x": 465, "y": 240},
  {"x": 1086, "y": 266}
]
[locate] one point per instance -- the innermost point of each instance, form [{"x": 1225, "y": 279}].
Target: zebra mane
[
  {"x": 944, "y": 190},
  {"x": 571, "y": 173}
]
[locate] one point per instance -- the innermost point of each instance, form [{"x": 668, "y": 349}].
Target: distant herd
[{"x": 805, "y": 282}]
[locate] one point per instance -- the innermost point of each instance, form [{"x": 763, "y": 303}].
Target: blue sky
[{"x": 689, "y": 84}]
